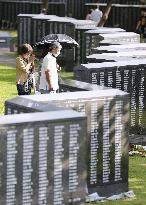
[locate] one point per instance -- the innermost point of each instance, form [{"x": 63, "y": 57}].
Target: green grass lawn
[
  {"x": 7, "y": 85},
  {"x": 137, "y": 164}
]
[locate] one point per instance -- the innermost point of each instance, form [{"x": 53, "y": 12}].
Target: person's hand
[
  {"x": 58, "y": 68},
  {"x": 32, "y": 58}
]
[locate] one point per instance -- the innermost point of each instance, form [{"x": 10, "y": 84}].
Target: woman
[{"x": 24, "y": 67}]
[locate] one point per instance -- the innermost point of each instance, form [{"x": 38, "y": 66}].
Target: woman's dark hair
[{"x": 25, "y": 48}]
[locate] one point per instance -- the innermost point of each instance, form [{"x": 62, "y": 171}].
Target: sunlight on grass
[
  {"x": 143, "y": 165},
  {"x": 134, "y": 180},
  {"x": 66, "y": 75}
]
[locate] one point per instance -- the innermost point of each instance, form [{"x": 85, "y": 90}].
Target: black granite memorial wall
[
  {"x": 42, "y": 158},
  {"x": 128, "y": 76},
  {"x": 63, "y": 25},
  {"x": 25, "y": 28},
  {"x": 119, "y": 48},
  {"x": 129, "y": 14},
  {"x": 74, "y": 85},
  {"x": 39, "y": 27},
  {"x": 31, "y": 28},
  {"x": 68, "y": 26},
  {"x": 119, "y": 56},
  {"x": 10, "y": 10},
  {"x": 18, "y": 105},
  {"x": 108, "y": 120},
  {"x": 57, "y": 8},
  {"x": 94, "y": 39},
  {"x": 80, "y": 38},
  {"x": 75, "y": 8}
]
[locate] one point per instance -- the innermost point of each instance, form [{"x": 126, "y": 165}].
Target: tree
[
  {"x": 106, "y": 13},
  {"x": 45, "y": 6}
]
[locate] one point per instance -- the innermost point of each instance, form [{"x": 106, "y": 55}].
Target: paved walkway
[{"x": 6, "y": 57}]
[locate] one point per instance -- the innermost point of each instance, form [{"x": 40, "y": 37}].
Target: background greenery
[{"x": 137, "y": 164}]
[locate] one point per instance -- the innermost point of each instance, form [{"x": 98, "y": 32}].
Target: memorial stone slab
[
  {"x": 75, "y": 85},
  {"x": 107, "y": 141},
  {"x": 128, "y": 76},
  {"x": 119, "y": 48},
  {"x": 80, "y": 52},
  {"x": 42, "y": 158},
  {"x": 63, "y": 25},
  {"x": 39, "y": 26},
  {"x": 18, "y": 105},
  {"x": 25, "y": 28},
  {"x": 94, "y": 39},
  {"x": 66, "y": 25},
  {"x": 119, "y": 56},
  {"x": 80, "y": 38}
]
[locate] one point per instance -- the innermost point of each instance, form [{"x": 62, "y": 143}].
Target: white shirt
[
  {"x": 96, "y": 15},
  {"x": 49, "y": 64}
]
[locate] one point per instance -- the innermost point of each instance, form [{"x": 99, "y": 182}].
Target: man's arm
[{"x": 48, "y": 78}]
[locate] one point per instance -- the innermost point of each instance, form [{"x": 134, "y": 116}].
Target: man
[
  {"x": 96, "y": 15},
  {"x": 49, "y": 69}
]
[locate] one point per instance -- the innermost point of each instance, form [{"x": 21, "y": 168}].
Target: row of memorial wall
[
  {"x": 88, "y": 1},
  {"x": 10, "y": 10},
  {"x": 115, "y": 1},
  {"x": 117, "y": 60},
  {"x": 127, "y": 19},
  {"x": 42, "y": 25},
  {"x": 107, "y": 114},
  {"x": 128, "y": 76}
]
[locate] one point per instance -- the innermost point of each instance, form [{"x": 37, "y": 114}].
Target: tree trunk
[
  {"x": 106, "y": 13},
  {"x": 45, "y": 5}
]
